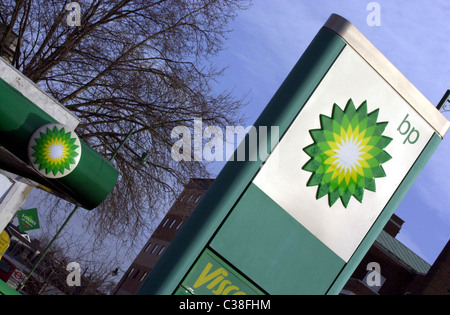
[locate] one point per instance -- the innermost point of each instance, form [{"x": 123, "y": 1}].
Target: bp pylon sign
[{"x": 354, "y": 135}]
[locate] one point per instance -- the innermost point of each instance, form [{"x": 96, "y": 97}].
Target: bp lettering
[
  {"x": 407, "y": 129},
  {"x": 216, "y": 281}
]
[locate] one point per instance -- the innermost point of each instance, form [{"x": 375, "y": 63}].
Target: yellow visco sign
[
  {"x": 212, "y": 276},
  {"x": 217, "y": 279}
]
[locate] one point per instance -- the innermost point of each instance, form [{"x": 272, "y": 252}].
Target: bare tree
[
  {"x": 96, "y": 267},
  {"x": 131, "y": 63}
]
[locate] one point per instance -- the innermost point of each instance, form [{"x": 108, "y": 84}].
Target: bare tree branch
[{"x": 131, "y": 63}]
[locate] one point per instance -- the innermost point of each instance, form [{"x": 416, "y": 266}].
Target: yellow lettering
[
  {"x": 217, "y": 278},
  {"x": 222, "y": 286},
  {"x": 229, "y": 289},
  {"x": 215, "y": 282},
  {"x": 205, "y": 277}
]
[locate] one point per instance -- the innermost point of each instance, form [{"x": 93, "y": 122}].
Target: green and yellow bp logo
[
  {"x": 347, "y": 153},
  {"x": 54, "y": 150}
]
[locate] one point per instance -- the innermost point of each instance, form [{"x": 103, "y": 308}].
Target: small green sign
[{"x": 28, "y": 219}]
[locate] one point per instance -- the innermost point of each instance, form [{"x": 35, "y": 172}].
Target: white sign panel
[{"x": 345, "y": 154}]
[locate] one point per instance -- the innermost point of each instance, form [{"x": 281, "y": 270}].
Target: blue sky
[{"x": 269, "y": 38}]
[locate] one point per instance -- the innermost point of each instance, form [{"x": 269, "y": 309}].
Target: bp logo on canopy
[{"x": 54, "y": 150}]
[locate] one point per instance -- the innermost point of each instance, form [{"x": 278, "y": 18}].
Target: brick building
[
  {"x": 401, "y": 270},
  {"x": 163, "y": 235},
  {"x": 437, "y": 280}
]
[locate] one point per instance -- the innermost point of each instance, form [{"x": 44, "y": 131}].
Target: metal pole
[
  {"x": 445, "y": 99},
  {"x": 44, "y": 253},
  {"x": 121, "y": 144}
]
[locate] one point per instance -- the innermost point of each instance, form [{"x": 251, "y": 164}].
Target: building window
[
  {"x": 197, "y": 199},
  {"x": 173, "y": 222},
  {"x": 143, "y": 277},
  {"x": 154, "y": 249},
  {"x": 24, "y": 254},
  {"x": 148, "y": 246},
  {"x": 5, "y": 266},
  {"x": 165, "y": 222},
  {"x": 190, "y": 198},
  {"x": 179, "y": 224},
  {"x": 161, "y": 250},
  {"x": 130, "y": 272}
]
